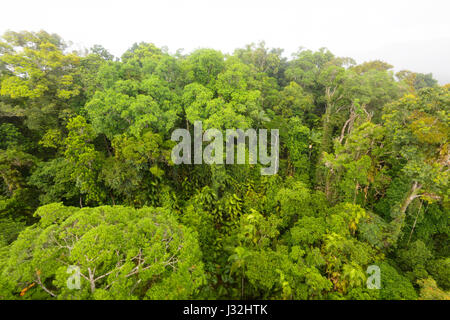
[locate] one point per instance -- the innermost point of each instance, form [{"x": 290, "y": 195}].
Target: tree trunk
[
  {"x": 399, "y": 216},
  {"x": 91, "y": 280},
  {"x": 414, "y": 224},
  {"x": 356, "y": 192},
  {"x": 107, "y": 145}
]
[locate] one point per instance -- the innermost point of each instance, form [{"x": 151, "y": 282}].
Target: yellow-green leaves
[{"x": 122, "y": 252}]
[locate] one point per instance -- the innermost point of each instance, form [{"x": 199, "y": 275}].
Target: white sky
[{"x": 409, "y": 34}]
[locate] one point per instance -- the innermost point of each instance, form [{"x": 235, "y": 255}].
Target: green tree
[{"x": 121, "y": 253}]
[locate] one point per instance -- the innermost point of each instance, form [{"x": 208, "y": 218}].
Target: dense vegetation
[{"x": 87, "y": 179}]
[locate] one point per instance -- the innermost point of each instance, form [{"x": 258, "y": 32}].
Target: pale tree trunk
[
  {"x": 415, "y": 188},
  {"x": 414, "y": 224}
]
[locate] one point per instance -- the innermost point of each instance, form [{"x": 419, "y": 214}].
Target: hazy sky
[{"x": 409, "y": 34}]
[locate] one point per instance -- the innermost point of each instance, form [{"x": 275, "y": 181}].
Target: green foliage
[
  {"x": 122, "y": 253},
  {"x": 87, "y": 179},
  {"x": 86, "y": 161},
  {"x": 440, "y": 270},
  {"x": 430, "y": 291},
  {"x": 43, "y": 78}
]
